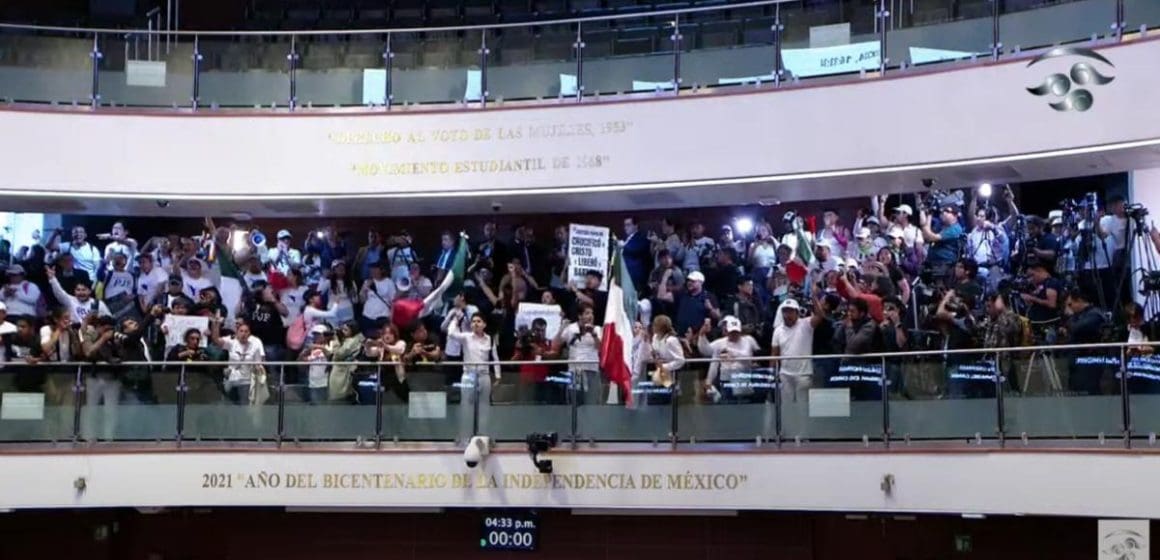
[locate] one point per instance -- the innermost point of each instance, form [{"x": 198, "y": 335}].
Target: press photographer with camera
[
  {"x": 1085, "y": 325},
  {"x": 945, "y": 243},
  {"x": 1042, "y": 301},
  {"x": 965, "y": 379}
]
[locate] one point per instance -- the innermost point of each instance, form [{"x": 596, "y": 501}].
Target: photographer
[
  {"x": 103, "y": 384},
  {"x": 1001, "y": 328},
  {"x": 894, "y": 339},
  {"x": 945, "y": 244},
  {"x": 967, "y": 375},
  {"x": 1042, "y": 302},
  {"x": 1085, "y": 325},
  {"x": 1041, "y": 245},
  {"x": 532, "y": 345}
]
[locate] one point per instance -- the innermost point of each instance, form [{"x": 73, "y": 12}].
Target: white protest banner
[
  {"x": 177, "y": 325},
  {"x": 587, "y": 250},
  {"x": 528, "y": 312},
  {"x": 840, "y": 59}
]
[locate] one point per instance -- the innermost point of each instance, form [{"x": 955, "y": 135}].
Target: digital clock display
[{"x": 509, "y": 531}]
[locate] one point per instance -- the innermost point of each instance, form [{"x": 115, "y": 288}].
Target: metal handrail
[
  {"x": 311, "y": 32},
  {"x": 880, "y": 355}
]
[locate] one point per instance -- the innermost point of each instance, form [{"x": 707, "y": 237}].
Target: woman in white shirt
[
  {"x": 475, "y": 385},
  {"x": 732, "y": 354},
  {"x": 582, "y": 339},
  {"x": 340, "y": 291},
  {"x": 245, "y": 356},
  {"x": 668, "y": 357}
]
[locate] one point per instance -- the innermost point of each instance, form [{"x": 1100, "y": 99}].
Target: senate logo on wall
[{"x": 1072, "y": 91}]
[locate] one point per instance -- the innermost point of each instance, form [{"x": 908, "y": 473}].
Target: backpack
[{"x": 296, "y": 333}]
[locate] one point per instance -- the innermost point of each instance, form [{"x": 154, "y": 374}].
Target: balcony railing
[
  {"x": 759, "y": 44},
  {"x": 1100, "y": 395}
]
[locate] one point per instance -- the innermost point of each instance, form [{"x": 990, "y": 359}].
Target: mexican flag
[{"x": 616, "y": 339}]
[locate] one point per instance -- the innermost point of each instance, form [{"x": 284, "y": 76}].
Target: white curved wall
[{"x": 922, "y": 120}]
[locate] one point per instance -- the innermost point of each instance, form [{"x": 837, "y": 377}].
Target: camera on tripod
[
  {"x": 1150, "y": 283},
  {"x": 1088, "y": 205}
]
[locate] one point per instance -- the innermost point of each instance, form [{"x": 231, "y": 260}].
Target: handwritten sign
[
  {"x": 177, "y": 325},
  {"x": 587, "y": 250},
  {"x": 528, "y": 312}
]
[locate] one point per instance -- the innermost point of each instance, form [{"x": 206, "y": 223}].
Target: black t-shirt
[
  {"x": 1047, "y": 242},
  {"x": 823, "y": 344},
  {"x": 599, "y": 302},
  {"x": 266, "y": 324},
  {"x": 1041, "y": 313}
]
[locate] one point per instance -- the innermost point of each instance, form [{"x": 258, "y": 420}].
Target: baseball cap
[
  {"x": 695, "y": 276},
  {"x": 320, "y": 329},
  {"x": 863, "y": 233},
  {"x": 3, "y": 307},
  {"x": 194, "y": 261},
  {"x": 896, "y": 232},
  {"x": 337, "y": 263},
  {"x": 791, "y": 304},
  {"x": 176, "y": 279},
  {"x": 904, "y": 209},
  {"x": 283, "y": 234},
  {"x": 872, "y": 220},
  {"x": 15, "y": 270},
  {"x": 731, "y": 324}
]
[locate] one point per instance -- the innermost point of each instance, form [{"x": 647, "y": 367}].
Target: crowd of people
[{"x": 948, "y": 272}]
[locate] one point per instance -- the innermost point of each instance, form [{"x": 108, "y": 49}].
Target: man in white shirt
[
  {"x": 194, "y": 279},
  {"x": 151, "y": 281},
  {"x": 582, "y": 339},
  {"x": 20, "y": 295},
  {"x": 1115, "y": 223},
  {"x": 282, "y": 255},
  {"x": 793, "y": 341},
  {"x": 85, "y": 256},
  {"x": 80, "y": 303},
  {"x": 378, "y": 296},
  {"x": 732, "y": 354},
  {"x": 245, "y": 351},
  {"x": 119, "y": 243},
  {"x": 462, "y": 312},
  {"x": 254, "y": 274},
  {"x": 401, "y": 256}
]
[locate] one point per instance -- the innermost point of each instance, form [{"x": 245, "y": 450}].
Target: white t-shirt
[
  {"x": 25, "y": 296},
  {"x": 734, "y": 356},
  {"x": 379, "y": 298},
  {"x": 319, "y": 374},
  {"x": 149, "y": 285},
  {"x": 62, "y": 352},
  {"x": 192, "y": 286},
  {"x": 454, "y": 348},
  {"x": 118, "y": 283},
  {"x": 252, "y": 351},
  {"x": 293, "y": 299},
  {"x": 251, "y": 278},
  {"x": 793, "y": 342},
  {"x": 284, "y": 261},
  {"x": 585, "y": 350},
  {"x": 86, "y": 258},
  {"x": 115, "y": 247},
  {"x": 1118, "y": 229},
  {"x": 764, "y": 256}
]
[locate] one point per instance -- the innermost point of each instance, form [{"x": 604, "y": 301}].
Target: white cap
[
  {"x": 791, "y": 304},
  {"x": 695, "y": 276},
  {"x": 283, "y": 233},
  {"x": 904, "y": 209},
  {"x": 15, "y": 269},
  {"x": 3, "y": 307},
  {"x": 319, "y": 329},
  {"x": 896, "y": 232},
  {"x": 852, "y": 263},
  {"x": 731, "y": 324},
  {"x": 1055, "y": 214},
  {"x": 863, "y": 233}
]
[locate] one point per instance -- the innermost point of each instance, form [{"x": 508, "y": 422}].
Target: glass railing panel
[
  {"x": 1057, "y": 394},
  {"x": 328, "y": 402},
  {"x": 1141, "y": 14},
  {"x": 427, "y": 402},
  {"x": 927, "y": 32},
  {"x": 340, "y": 71},
  {"x": 220, "y": 409},
  {"x": 737, "y": 405},
  {"x": 530, "y": 398},
  {"x": 1143, "y": 372},
  {"x": 944, "y": 396},
  {"x": 1030, "y": 24},
  {"x": 728, "y": 48},
  {"x": 130, "y": 403},
  {"x": 829, "y": 38},
  {"x": 46, "y": 67},
  {"x": 647, "y": 416},
  {"x": 245, "y": 71},
  {"x": 533, "y": 63},
  {"x": 37, "y": 402},
  {"x": 634, "y": 54},
  {"x": 842, "y": 400},
  {"x": 143, "y": 70},
  {"x": 437, "y": 67}
]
